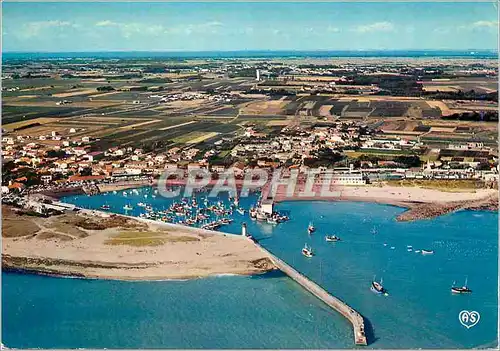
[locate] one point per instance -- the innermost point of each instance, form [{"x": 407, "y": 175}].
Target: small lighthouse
[{"x": 244, "y": 229}]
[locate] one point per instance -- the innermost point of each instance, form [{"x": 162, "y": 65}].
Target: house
[
  {"x": 46, "y": 178},
  {"x": 94, "y": 156},
  {"x": 218, "y": 168},
  {"x": 170, "y": 166},
  {"x": 136, "y": 165},
  {"x": 160, "y": 158}
]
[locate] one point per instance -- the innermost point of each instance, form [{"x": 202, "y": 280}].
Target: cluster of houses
[{"x": 62, "y": 159}]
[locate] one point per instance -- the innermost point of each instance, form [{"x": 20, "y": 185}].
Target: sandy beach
[
  {"x": 421, "y": 202},
  {"x": 121, "y": 248}
]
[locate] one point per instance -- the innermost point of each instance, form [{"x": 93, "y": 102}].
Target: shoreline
[
  {"x": 64, "y": 275},
  {"x": 70, "y": 250},
  {"x": 420, "y": 203},
  {"x": 114, "y": 247}
]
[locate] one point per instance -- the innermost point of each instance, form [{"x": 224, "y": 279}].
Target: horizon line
[{"x": 245, "y": 50}]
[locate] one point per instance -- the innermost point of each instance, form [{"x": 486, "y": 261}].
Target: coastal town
[
  {"x": 430, "y": 149},
  {"x": 249, "y": 175},
  {"x": 248, "y": 116}
]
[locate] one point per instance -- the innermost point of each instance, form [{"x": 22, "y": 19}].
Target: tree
[
  {"x": 105, "y": 88},
  {"x": 408, "y": 161}
]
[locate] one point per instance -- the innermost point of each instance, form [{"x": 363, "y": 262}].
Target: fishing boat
[
  {"x": 417, "y": 251},
  {"x": 261, "y": 216},
  {"x": 377, "y": 287},
  {"x": 127, "y": 207},
  {"x": 115, "y": 192},
  {"x": 105, "y": 207},
  {"x": 427, "y": 252},
  {"x": 141, "y": 204},
  {"x": 311, "y": 229},
  {"x": 307, "y": 251},
  {"x": 461, "y": 289},
  {"x": 240, "y": 211},
  {"x": 332, "y": 238}
]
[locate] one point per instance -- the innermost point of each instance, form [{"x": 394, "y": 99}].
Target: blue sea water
[
  {"x": 464, "y": 54},
  {"x": 271, "y": 311}
]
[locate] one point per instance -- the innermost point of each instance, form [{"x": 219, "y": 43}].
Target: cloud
[
  {"x": 107, "y": 23},
  {"x": 332, "y": 29},
  {"x": 196, "y": 28},
  {"x": 375, "y": 27},
  {"x": 474, "y": 26},
  {"x": 33, "y": 29},
  {"x": 129, "y": 29},
  {"x": 483, "y": 25}
]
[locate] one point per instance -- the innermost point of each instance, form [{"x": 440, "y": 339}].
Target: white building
[{"x": 348, "y": 179}]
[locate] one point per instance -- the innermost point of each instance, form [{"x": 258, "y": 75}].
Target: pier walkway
[{"x": 348, "y": 312}]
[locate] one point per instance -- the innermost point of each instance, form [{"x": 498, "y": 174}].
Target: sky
[{"x": 209, "y": 26}]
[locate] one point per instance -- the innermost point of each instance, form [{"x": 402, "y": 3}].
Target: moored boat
[
  {"x": 427, "y": 252},
  {"x": 377, "y": 287},
  {"x": 461, "y": 289},
  {"x": 332, "y": 238},
  {"x": 307, "y": 251},
  {"x": 311, "y": 229},
  {"x": 261, "y": 216},
  {"x": 127, "y": 207},
  {"x": 240, "y": 211},
  {"x": 105, "y": 207}
]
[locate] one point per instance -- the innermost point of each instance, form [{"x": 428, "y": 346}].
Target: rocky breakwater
[{"x": 433, "y": 209}]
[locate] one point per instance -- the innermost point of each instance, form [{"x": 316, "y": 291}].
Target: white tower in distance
[{"x": 257, "y": 73}]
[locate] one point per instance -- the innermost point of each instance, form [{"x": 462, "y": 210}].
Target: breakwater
[{"x": 338, "y": 305}]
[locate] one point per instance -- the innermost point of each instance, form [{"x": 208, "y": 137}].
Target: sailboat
[
  {"x": 105, "y": 207},
  {"x": 307, "y": 251},
  {"x": 461, "y": 290},
  {"x": 127, "y": 207}
]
